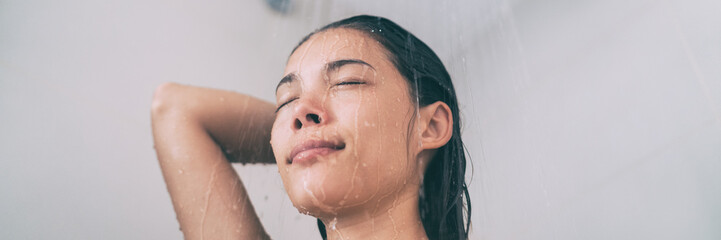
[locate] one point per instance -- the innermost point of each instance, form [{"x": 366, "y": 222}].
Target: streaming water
[
  {"x": 574, "y": 113},
  {"x": 208, "y": 193}
]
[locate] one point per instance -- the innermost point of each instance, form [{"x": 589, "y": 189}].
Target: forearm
[
  {"x": 238, "y": 123},
  {"x": 208, "y": 196}
]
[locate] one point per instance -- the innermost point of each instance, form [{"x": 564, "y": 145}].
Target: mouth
[{"x": 309, "y": 150}]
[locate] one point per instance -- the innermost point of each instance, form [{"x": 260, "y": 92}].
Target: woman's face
[{"x": 341, "y": 137}]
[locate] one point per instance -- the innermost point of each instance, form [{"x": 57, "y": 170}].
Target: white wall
[{"x": 584, "y": 119}]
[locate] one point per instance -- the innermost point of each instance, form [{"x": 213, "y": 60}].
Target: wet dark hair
[{"x": 444, "y": 194}]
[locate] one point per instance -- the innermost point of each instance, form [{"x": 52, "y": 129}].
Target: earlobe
[{"x": 438, "y": 125}]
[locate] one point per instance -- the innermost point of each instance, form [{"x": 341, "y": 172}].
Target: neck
[{"x": 395, "y": 217}]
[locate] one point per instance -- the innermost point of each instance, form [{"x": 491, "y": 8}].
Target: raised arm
[{"x": 196, "y": 130}]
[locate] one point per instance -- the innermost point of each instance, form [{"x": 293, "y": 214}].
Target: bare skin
[
  {"x": 208, "y": 197},
  {"x": 197, "y": 131}
]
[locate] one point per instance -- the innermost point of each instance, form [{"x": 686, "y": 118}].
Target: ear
[{"x": 436, "y": 125}]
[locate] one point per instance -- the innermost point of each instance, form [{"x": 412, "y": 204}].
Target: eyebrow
[
  {"x": 291, "y": 77},
  {"x": 329, "y": 67},
  {"x": 335, "y": 65}
]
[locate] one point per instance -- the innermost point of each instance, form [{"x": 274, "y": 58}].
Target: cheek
[
  {"x": 381, "y": 126},
  {"x": 278, "y": 138},
  {"x": 385, "y": 119}
]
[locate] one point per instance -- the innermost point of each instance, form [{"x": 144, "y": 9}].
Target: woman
[{"x": 365, "y": 134}]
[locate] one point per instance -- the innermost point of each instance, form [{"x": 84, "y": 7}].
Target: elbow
[{"x": 164, "y": 98}]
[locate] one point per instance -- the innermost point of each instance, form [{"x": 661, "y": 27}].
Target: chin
[{"x": 321, "y": 193}]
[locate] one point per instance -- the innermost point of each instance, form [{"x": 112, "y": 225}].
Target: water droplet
[{"x": 333, "y": 223}]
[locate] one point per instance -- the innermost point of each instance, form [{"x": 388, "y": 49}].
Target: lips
[{"x": 309, "y": 149}]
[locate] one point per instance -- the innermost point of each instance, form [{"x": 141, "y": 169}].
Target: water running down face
[{"x": 341, "y": 137}]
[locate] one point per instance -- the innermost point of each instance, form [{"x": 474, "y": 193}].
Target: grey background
[{"x": 583, "y": 119}]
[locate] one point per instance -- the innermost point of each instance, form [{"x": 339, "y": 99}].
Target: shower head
[{"x": 280, "y": 6}]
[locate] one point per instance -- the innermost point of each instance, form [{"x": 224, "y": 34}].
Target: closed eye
[
  {"x": 289, "y": 101},
  {"x": 350, "y": 83},
  {"x": 338, "y": 84}
]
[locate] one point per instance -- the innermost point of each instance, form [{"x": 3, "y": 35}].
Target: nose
[{"x": 308, "y": 113}]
